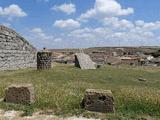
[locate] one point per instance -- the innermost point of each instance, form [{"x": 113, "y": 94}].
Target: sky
[{"x": 84, "y": 23}]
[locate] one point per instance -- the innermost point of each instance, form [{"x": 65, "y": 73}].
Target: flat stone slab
[
  {"x": 99, "y": 100},
  {"x": 20, "y": 94},
  {"x": 84, "y": 61}
]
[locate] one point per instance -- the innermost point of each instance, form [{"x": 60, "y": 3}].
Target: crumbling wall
[{"x": 15, "y": 51}]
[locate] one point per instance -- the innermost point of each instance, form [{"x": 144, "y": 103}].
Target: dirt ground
[{"x": 16, "y": 115}]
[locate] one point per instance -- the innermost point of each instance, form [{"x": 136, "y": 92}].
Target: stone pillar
[
  {"x": 76, "y": 61},
  {"x": 20, "y": 94},
  {"x": 99, "y": 101},
  {"x": 44, "y": 60}
]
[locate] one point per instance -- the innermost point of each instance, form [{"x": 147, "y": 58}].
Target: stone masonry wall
[{"x": 15, "y": 51}]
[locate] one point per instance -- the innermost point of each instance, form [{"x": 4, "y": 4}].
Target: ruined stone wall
[{"x": 15, "y": 51}]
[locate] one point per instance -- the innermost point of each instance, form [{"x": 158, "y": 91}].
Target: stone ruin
[
  {"x": 44, "y": 60},
  {"x": 20, "y": 94},
  {"x": 84, "y": 61},
  {"x": 99, "y": 101},
  {"x": 15, "y": 51}
]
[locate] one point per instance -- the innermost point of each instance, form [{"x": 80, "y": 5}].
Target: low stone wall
[{"x": 15, "y": 51}]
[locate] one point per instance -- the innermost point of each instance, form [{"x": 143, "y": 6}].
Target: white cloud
[
  {"x": 84, "y": 34},
  {"x": 132, "y": 36},
  {"x": 141, "y": 26},
  {"x": 66, "y": 8},
  {"x": 39, "y": 33},
  {"x": 12, "y": 11},
  {"x": 68, "y": 24},
  {"x": 58, "y": 39},
  {"x": 43, "y": 39},
  {"x": 115, "y": 30},
  {"x": 91, "y": 34},
  {"x": 139, "y": 23},
  {"x": 115, "y": 23},
  {"x": 106, "y": 8},
  {"x": 152, "y": 26}
]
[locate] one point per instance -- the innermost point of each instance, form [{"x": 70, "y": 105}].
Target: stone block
[
  {"x": 44, "y": 60},
  {"x": 84, "y": 61},
  {"x": 20, "y": 94},
  {"x": 99, "y": 101}
]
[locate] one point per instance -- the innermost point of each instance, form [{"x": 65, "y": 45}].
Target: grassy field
[{"x": 62, "y": 89}]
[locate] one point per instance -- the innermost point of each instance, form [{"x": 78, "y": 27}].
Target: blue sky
[{"x": 75, "y": 23}]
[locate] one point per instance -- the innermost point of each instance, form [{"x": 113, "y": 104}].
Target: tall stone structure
[
  {"x": 44, "y": 60},
  {"x": 15, "y": 51}
]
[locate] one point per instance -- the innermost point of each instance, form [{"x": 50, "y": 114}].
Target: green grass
[{"x": 62, "y": 89}]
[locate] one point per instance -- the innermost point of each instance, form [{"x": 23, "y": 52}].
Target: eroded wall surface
[{"x": 15, "y": 51}]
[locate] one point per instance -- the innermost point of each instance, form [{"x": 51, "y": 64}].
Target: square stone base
[
  {"x": 20, "y": 94},
  {"x": 99, "y": 101}
]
